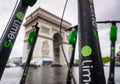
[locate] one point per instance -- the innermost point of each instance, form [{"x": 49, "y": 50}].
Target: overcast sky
[{"x": 104, "y": 10}]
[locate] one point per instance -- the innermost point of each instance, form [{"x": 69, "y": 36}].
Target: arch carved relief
[{"x": 45, "y": 49}]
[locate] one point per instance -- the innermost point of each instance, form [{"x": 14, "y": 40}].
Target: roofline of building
[{"x": 45, "y": 12}]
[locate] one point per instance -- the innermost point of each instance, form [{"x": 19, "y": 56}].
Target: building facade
[
  {"x": 118, "y": 56},
  {"x": 47, "y": 47}
]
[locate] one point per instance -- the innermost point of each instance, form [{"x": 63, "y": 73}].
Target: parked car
[
  {"x": 47, "y": 62},
  {"x": 117, "y": 64},
  {"x": 32, "y": 64},
  {"x": 107, "y": 64},
  {"x": 10, "y": 65},
  {"x": 75, "y": 64},
  {"x": 56, "y": 65}
]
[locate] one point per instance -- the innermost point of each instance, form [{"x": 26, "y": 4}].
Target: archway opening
[{"x": 56, "y": 48}]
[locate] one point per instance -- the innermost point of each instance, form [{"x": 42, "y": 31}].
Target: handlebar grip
[
  {"x": 30, "y": 2},
  {"x": 113, "y": 33}
]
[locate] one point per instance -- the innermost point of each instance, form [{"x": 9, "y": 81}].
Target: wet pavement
[
  {"x": 11, "y": 76},
  {"x": 40, "y": 75},
  {"x": 46, "y": 75}
]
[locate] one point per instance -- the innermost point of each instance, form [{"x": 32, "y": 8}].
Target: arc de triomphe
[{"x": 47, "y": 47}]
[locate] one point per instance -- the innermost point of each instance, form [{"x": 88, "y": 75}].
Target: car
[
  {"x": 32, "y": 64},
  {"x": 56, "y": 65},
  {"x": 47, "y": 62},
  {"x": 10, "y": 65},
  {"x": 117, "y": 64},
  {"x": 107, "y": 64},
  {"x": 75, "y": 64}
]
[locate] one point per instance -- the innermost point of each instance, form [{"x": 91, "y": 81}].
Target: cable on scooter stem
[{"x": 62, "y": 42}]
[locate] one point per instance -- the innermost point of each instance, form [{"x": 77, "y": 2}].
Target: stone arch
[{"x": 51, "y": 23}]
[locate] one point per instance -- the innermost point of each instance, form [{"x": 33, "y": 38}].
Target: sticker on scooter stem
[
  {"x": 86, "y": 51},
  {"x": 20, "y": 15}
]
